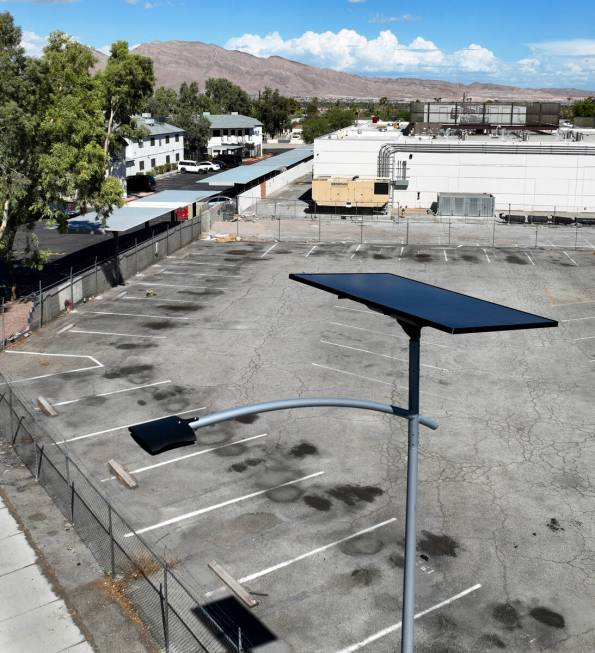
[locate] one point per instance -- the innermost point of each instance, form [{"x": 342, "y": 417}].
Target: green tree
[
  {"x": 313, "y": 128},
  {"x": 188, "y": 115},
  {"x": 273, "y": 109},
  {"x": 313, "y": 108},
  {"x": 225, "y": 96},
  {"x": 125, "y": 85},
  {"x": 162, "y": 103},
  {"x": 584, "y": 108}
]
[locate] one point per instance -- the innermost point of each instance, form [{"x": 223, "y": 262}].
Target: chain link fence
[
  {"x": 287, "y": 220},
  {"x": 49, "y": 302},
  {"x": 141, "y": 579}
]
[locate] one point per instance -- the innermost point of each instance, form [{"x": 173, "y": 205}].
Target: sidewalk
[{"x": 33, "y": 619}]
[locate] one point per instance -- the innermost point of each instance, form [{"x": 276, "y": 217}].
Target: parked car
[
  {"x": 220, "y": 199},
  {"x": 200, "y": 167},
  {"x": 140, "y": 184}
]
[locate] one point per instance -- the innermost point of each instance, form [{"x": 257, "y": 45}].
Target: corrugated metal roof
[
  {"x": 246, "y": 174},
  {"x": 229, "y": 121},
  {"x": 136, "y": 213},
  {"x": 158, "y": 128}
]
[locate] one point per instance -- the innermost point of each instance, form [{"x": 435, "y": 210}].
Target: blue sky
[{"x": 524, "y": 42}]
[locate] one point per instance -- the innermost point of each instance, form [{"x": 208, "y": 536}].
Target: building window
[
  {"x": 152, "y": 141},
  {"x": 167, "y": 140},
  {"x": 177, "y": 157},
  {"x": 224, "y": 132},
  {"x": 177, "y": 138},
  {"x": 141, "y": 165},
  {"x": 167, "y": 159},
  {"x": 152, "y": 163},
  {"x": 141, "y": 143},
  {"x": 216, "y": 132}
]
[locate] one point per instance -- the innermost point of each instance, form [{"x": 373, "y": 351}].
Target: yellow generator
[{"x": 351, "y": 191}]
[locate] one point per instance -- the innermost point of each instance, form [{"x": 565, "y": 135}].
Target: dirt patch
[
  {"x": 507, "y": 615},
  {"x": 554, "y": 525},
  {"x": 353, "y": 494},
  {"x": 318, "y": 503},
  {"x": 302, "y": 450},
  {"x": 548, "y": 617},
  {"x": 365, "y": 576},
  {"x": 438, "y": 545}
]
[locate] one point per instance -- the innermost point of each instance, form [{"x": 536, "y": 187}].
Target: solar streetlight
[{"x": 413, "y": 305}]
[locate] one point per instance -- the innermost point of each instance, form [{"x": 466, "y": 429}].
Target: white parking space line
[
  {"x": 160, "y": 317},
  {"x": 369, "y": 378},
  {"x": 361, "y": 310},
  {"x": 113, "y": 392},
  {"x": 173, "y": 285},
  {"x": 356, "y": 251},
  {"x": 218, "y": 265},
  {"x": 270, "y": 249},
  {"x": 391, "y": 629},
  {"x": 45, "y": 376},
  {"x": 311, "y": 251},
  {"x": 401, "y": 253},
  {"x": 65, "y": 328},
  {"x": 125, "y": 426},
  {"x": 585, "y": 338},
  {"x": 202, "y": 274},
  {"x": 445, "y": 257},
  {"x": 527, "y": 255},
  {"x": 588, "y": 242},
  {"x": 375, "y": 353},
  {"x": 388, "y": 335},
  {"x": 161, "y": 299},
  {"x": 304, "y": 556},
  {"x": 486, "y": 255},
  {"x": 570, "y": 257},
  {"x": 121, "y": 335},
  {"x": 229, "y": 502},
  {"x": 140, "y": 470}
]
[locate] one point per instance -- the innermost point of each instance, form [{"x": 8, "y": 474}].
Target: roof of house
[
  {"x": 157, "y": 128},
  {"x": 230, "y": 120}
]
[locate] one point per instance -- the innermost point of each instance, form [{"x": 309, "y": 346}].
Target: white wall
[
  {"x": 160, "y": 151},
  {"x": 218, "y": 142},
  {"x": 525, "y": 181},
  {"x": 249, "y": 197}
]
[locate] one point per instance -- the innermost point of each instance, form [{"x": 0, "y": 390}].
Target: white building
[
  {"x": 234, "y": 134},
  {"x": 530, "y": 172},
  {"x": 164, "y": 144}
]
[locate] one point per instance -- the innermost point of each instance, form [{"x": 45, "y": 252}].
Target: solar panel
[{"x": 422, "y": 304}]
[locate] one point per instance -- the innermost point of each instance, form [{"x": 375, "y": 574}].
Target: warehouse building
[{"x": 522, "y": 170}]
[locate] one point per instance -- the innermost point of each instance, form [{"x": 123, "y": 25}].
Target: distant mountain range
[{"x": 187, "y": 61}]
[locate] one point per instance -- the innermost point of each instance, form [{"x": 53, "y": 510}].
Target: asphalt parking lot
[{"x": 307, "y": 507}]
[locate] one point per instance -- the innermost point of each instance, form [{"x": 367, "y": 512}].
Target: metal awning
[
  {"x": 135, "y": 214},
  {"x": 247, "y": 174}
]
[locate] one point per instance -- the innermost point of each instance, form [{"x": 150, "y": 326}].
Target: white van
[{"x": 197, "y": 166}]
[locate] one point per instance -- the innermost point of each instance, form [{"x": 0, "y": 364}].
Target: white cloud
[
  {"x": 33, "y": 43},
  {"x": 350, "y": 51},
  {"x": 382, "y": 19},
  {"x": 356, "y": 2},
  {"x": 569, "y": 48}
]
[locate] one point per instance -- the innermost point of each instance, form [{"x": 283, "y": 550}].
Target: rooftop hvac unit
[{"x": 466, "y": 204}]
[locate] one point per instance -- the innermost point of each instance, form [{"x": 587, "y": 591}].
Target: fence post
[
  {"x": 39, "y": 456},
  {"x": 14, "y": 437},
  {"x": 3, "y": 332},
  {"x": 449, "y": 221},
  {"x": 40, "y": 305},
  {"x": 318, "y": 227},
  {"x": 575, "y": 235},
  {"x": 72, "y": 503},
  {"x": 180, "y": 228},
  {"x": 71, "y": 289},
  {"x": 167, "y": 241},
  {"x": 279, "y": 219},
  {"x": 111, "y": 542},
  {"x": 536, "y": 232},
  {"x": 407, "y": 233},
  {"x": 135, "y": 256},
  {"x": 361, "y": 229},
  {"x": 493, "y": 233},
  {"x": 165, "y": 607},
  {"x": 96, "y": 276}
]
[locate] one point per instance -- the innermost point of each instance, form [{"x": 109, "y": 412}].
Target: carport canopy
[{"x": 137, "y": 213}]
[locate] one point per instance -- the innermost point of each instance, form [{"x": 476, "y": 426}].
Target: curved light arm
[{"x": 313, "y": 402}]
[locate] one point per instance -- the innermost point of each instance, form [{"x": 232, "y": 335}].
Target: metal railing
[{"x": 174, "y": 616}]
